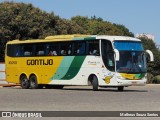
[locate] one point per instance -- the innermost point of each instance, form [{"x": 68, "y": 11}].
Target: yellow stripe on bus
[{"x": 42, "y": 70}]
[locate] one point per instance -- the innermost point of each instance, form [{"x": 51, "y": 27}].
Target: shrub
[{"x": 156, "y": 79}]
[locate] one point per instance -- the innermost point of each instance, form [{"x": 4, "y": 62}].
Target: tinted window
[
  {"x": 19, "y": 50},
  {"x": 53, "y": 49},
  {"x": 27, "y": 50},
  {"x": 128, "y": 45},
  {"x": 93, "y": 47},
  {"x": 69, "y": 48},
  {"x": 79, "y": 48},
  {"x": 66, "y": 48},
  {"x": 9, "y": 50},
  {"x": 108, "y": 55},
  {"x": 40, "y": 50}
]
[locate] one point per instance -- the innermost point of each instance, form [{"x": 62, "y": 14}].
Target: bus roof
[
  {"x": 75, "y": 37},
  {"x": 113, "y": 38}
]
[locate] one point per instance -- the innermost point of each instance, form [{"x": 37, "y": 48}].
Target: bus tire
[
  {"x": 95, "y": 83},
  {"x": 33, "y": 82},
  {"x": 24, "y": 82},
  {"x": 120, "y": 88}
]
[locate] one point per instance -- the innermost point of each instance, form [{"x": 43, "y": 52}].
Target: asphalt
[{"x": 80, "y": 98}]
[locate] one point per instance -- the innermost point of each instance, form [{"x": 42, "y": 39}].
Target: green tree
[
  {"x": 98, "y": 26},
  {"x": 24, "y": 21},
  {"x": 82, "y": 22},
  {"x": 64, "y": 26},
  {"x": 124, "y": 31},
  {"x": 153, "y": 67}
]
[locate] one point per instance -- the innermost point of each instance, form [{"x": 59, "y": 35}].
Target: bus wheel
[
  {"x": 24, "y": 82},
  {"x": 33, "y": 82},
  {"x": 120, "y": 88},
  {"x": 95, "y": 83}
]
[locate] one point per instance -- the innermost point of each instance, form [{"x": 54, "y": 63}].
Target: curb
[{"x": 152, "y": 84}]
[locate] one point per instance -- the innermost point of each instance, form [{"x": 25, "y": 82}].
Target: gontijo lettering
[{"x": 39, "y": 62}]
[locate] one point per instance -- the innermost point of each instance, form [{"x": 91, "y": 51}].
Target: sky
[{"x": 139, "y": 16}]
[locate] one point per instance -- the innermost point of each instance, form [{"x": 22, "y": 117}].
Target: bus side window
[
  {"x": 27, "y": 50},
  {"x": 79, "y": 48},
  {"x": 93, "y": 47},
  {"x": 63, "y": 52},
  {"x": 66, "y": 48},
  {"x": 40, "y": 50},
  {"x": 14, "y": 50},
  {"x": 40, "y": 53},
  {"x": 53, "y": 49},
  {"x": 10, "y": 51},
  {"x": 52, "y": 53},
  {"x": 27, "y": 53},
  {"x": 19, "y": 51}
]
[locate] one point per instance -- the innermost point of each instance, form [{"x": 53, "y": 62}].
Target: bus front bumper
[{"x": 140, "y": 82}]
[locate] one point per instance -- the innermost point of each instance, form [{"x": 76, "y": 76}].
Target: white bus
[{"x": 97, "y": 60}]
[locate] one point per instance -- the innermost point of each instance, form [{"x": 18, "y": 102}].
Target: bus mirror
[
  {"x": 116, "y": 54},
  {"x": 151, "y": 55}
]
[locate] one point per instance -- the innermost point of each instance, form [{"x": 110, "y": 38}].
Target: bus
[{"x": 67, "y": 60}]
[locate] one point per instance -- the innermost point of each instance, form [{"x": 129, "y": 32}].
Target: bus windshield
[
  {"x": 131, "y": 62},
  {"x": 132, "y": 57}
]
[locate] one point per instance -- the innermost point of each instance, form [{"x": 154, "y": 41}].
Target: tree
[
  {"x": 82, "y": 22},
  {"x": 23, "y": 21},
  {"x": 64, "y": 26},
  {"x": 124, "y": 31},
  {"x": 98, "y": 26},
  {"x": 153, "y": 67}
]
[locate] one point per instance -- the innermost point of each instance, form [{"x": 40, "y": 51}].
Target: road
[{"x": 81, "y": 98}]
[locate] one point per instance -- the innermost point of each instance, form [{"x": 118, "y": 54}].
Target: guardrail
[
  {"x": 2, "y": 74},
  {"x": 3, "y": 81}
]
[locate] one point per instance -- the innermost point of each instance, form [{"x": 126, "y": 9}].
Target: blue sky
[{"x": 139, "y": 16}]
